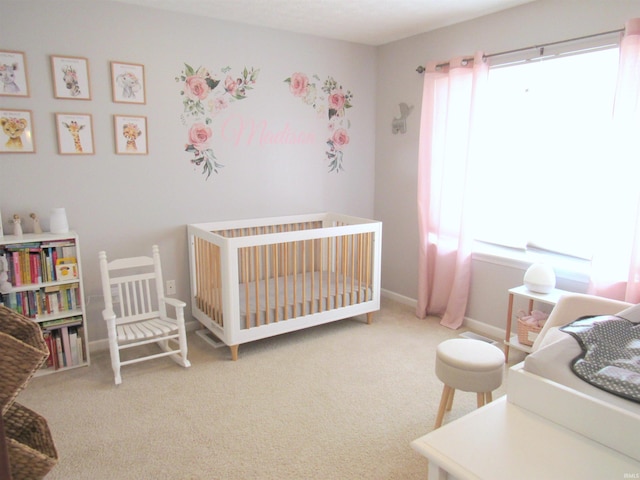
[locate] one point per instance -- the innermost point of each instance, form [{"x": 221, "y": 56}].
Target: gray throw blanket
[{"x": 610, "y": 358}]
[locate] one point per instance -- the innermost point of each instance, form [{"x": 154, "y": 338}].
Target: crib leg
[
  {"x": 369, "y": 318},
  {"x": 234, "y": 352}
]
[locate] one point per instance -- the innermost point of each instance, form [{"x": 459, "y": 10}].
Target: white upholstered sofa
[{"x": 545, "y": 384}]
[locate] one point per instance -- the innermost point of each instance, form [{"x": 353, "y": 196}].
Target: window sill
[{"x": 566, "y": 267}]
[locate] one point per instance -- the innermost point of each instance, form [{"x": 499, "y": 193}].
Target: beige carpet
[{"x": 339, "y": 401}]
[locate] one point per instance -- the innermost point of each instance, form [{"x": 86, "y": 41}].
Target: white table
[
  {"x": 502, "y": 441},
  {"x": 550, "y": 298}
]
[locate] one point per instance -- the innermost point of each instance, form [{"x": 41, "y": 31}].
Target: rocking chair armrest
[
  {"x": 108, "y": 314},
  {"x": 174, "y": 302}
]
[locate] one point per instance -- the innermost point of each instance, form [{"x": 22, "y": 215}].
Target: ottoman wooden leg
[
  {"x": 480, "y": 399},
  {"x": 447, "y": 392},
  {"x": 488, "y": 397},
  {"x": 450, "y": 401}
]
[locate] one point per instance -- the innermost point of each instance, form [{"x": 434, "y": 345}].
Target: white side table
[
  {"x": 550, "y": 298},
  {"x": 502, "y": 441}
]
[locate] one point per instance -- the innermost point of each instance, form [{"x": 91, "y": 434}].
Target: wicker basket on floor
[
  {"x": 32, "y": 452},
  {"x": 22, "y": 352},
  {"x": 527, "y": 332}
]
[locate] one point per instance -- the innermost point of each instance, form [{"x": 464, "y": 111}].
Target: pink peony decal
[
  {"x": 202, "y": 101},
  {"x": 299, "y": 84},
  {"x": 199, "y": 135},
  {"x": 335, "y": 105}
]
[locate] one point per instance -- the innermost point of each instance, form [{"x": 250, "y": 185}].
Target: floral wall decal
[
  {"x": 203, "y": 97},
  {"x": 332, "y": 101}
]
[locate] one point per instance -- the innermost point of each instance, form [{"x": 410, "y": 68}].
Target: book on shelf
[
  {"x": 66, "y": 347},
  {"x": 60, "y": 322},
  {"x": 50, "y": 300},
  {"x": 35, "y": 262}
]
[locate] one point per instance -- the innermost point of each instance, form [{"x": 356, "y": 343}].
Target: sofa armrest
[{"x": 575, "y": 305}]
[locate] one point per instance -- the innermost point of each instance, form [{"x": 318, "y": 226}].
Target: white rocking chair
[{"x": 136, "y": 310}]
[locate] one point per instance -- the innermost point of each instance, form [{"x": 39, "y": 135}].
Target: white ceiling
[{"x": 370, "y": 22}]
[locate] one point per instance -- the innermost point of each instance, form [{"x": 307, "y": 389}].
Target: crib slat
[
  {"x": 245, "y": 269},
  {"x": 285, "y": 254},
  {"x": 344, "y": 270},
  {"x": 360, "y": 266},
  {"x": 304, "y": 277},
  {"x": 295, "y": 278},
  {"x": 266, "y": 285},
  {"x": 217, "y": 279},
  {"x": 327, "y": 255},
  {"x": 368, "y": 265},
  {"x": 256, "y": 254},
  {"x": 274, "y": 250},
  {"x": 353, "y": 267}
]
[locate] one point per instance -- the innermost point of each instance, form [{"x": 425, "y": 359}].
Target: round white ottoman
[{"x": 467, "y": 365}]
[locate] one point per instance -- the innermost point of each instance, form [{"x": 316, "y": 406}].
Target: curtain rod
[{"x": 541, "y": 47}]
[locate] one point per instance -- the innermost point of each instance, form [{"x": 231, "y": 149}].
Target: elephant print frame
[{"x": 128, "y": 83}]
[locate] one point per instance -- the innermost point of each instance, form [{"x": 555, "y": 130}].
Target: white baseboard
[
  {"x": 473, "y": 325},
  {"x": 398, "y": 298},
  {"x": 483, "y": 328}
]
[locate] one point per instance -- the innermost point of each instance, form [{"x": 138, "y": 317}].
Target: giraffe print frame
[
  {"x": 130, "y": 135},
  {"x": 75, "y": 133}
]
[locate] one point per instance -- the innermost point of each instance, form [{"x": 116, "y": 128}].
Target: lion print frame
[
  {"x": 130, "y": 134},
  {"x": 17, "y": 132}
]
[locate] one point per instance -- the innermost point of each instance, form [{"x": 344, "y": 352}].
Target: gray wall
[
  {"x": 396, "y": 155},
  {"x": 123, "y": 204}
]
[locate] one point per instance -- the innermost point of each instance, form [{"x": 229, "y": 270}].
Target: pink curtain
[
  {"x": 450, "y": 103},
  {"x": 616, "y": 267}
]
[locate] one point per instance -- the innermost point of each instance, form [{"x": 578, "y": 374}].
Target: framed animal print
[
  {"x": 130, "y": 135},
  {"x": 70, "y": 78},
  {"x": 75, "y": 133},
  {"x": 13, "y": 74},
  {"x": 17, "y": 131},
  {"x": 127, "y": 80}
]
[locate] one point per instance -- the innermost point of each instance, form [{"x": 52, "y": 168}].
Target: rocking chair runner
[{"x": 136, "y": 310}]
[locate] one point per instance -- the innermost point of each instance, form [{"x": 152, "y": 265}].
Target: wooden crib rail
[
  {"x": 265, "y": 272},
  {"x": 208, "y": 278},
  {"x": 306, "y": 276}
]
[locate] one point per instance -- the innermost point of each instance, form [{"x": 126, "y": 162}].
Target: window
[{"x": 547, "y": 174}]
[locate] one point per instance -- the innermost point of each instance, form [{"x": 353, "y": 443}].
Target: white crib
[{"x": 252, "y": 279}]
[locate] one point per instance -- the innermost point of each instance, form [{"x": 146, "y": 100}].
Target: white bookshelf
[{"x": 54, "y": 300}]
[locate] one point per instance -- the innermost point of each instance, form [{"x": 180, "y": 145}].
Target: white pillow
[{"x": 631, "y": 313}]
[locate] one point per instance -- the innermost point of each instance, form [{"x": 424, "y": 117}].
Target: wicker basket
[
  {"x": 527, "y": 332},
  {"x": 22, "y": 352},
  {"x": 32, "y": 453}
]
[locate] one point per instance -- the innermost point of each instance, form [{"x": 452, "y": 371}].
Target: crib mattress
[{"x": 318, "y": 296}]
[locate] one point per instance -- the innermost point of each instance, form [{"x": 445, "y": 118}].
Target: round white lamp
[{"x": 540, "y": 278}]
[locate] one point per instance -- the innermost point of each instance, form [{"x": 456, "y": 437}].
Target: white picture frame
[
  {"x": 14, "y": 80},
  {"x": 70, "y": 78},
  {"x": 16, "y": 131},
  {"x": 128, "y": 83},
  {"x": 75, "y": 133},
  {"x": 130, "y": 134}
]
